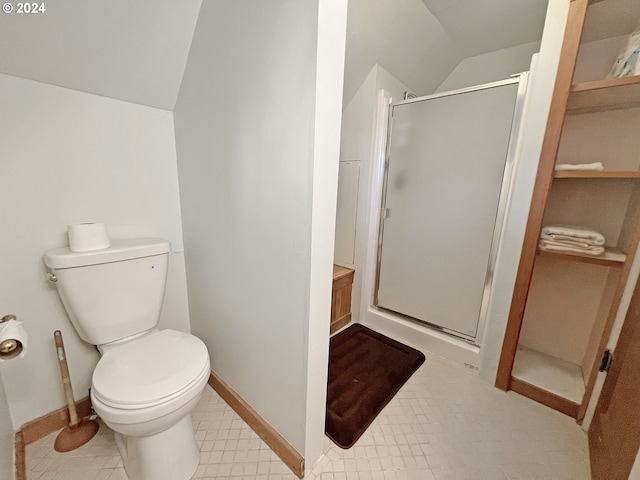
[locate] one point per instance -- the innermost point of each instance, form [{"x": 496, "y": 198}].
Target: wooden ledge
[{"x": 340, "y": 272}]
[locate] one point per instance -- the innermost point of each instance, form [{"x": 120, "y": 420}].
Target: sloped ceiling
[
  {"x": 421, "y": 41},
  {"x": 130, "y": 50},
  {"x": 482, "y": 26},
  {"x": 137, "y": 50},
  {"x": 404, "y": 38}
]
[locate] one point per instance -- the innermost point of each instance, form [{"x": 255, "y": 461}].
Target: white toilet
[{"x": 147, "y": 381}]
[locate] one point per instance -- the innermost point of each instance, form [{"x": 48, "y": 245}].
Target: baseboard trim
[
  {"x": 266, "y": 432},
  {"x": 338, "y": 324},
  {"x": 549, "y": 399},
  {"x": 21, "y": 461},
  {"x": 49, "y": 423},
  {"x": 41, "y": 427}
]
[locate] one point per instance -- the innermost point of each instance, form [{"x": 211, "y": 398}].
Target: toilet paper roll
[
  {"x": 13, "y": 340},
  {"x": 85, "y": 237}
]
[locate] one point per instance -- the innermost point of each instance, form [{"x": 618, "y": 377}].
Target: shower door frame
[{"x": 511, "y": 163}]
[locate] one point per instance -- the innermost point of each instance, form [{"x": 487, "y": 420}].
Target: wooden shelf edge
[
  {"x": 611, "y": 257},
  {"x": 606, "y": 83},
  {"x": 604, "y": 95},
  {"x": 593, "y": 174},
  {"x": 549, "y": 399}
]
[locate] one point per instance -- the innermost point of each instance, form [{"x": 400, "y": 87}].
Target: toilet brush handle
[{"x": 66, "y": 380}]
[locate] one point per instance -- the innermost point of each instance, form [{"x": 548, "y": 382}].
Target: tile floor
[{"x": 445, "y": 423}]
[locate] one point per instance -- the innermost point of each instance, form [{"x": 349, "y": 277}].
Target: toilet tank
[{"x": 115, "y": 292}]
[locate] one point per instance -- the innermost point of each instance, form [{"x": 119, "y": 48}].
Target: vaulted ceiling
[
  {"x": 130, "y": 50},
  {"x": 481, "y": 26},
  {"x": 137, "y": 51},
  {"x": 421, "y": 41}
]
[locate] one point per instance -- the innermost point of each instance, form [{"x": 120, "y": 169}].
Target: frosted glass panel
[{"x": 446, "y": 163}]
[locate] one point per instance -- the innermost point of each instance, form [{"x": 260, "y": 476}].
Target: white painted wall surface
[
  {"x": 534, "y": 120},
  {"x": 355, "y": 145},
  {"x": 490, "y": 67},
  {"x": 69, "y": 157},
  {"x": 7, "y": 455},
  {"x": 346, "y": 213},
  {"x": 357, "y": 121},
  {"x": 332, "y": 26},
  {"x": 248, "y": 119}
]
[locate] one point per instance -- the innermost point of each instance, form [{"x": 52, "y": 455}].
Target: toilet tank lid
[{"x": 118, "y": 251}]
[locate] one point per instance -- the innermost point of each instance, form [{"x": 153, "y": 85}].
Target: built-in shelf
[
  {"x": 602, "y": 95},
  {"x": 612, "y": 257},
  {"x": 554, "y": 375},
  {"x": 610, "y": 18},
  {"x": 568, "y": 310},
  {"x": 592, "y": 174}
]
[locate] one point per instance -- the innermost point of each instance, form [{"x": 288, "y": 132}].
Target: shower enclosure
[{"x": 447, "y": 176}]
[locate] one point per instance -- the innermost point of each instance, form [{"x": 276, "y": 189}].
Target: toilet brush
[{"x": 79, "y": 431}]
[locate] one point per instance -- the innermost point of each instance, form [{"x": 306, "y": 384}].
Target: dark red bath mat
[{"x": 366, "y": 369}]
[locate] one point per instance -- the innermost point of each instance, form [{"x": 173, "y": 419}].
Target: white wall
[
  {"x": 69, "y": 157},
  {"x": 7, "y": 455},
  {"x": 346, "y": 213},
  {"x": 258, "y": 180},
  {"x": 355, "y": 146},
  {"x": 332, "y": 25},
  {"x": 532, "y": 129},
  {"x": 490, "y": 67}
]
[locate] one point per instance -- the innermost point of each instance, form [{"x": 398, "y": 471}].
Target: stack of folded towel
[{"x": 571, "y": 239}]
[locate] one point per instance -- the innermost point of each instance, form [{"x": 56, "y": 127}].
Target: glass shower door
[{"x": 446, "y": 161}]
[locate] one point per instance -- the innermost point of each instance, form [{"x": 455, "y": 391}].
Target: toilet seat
[{"x": 150, "y": 370}]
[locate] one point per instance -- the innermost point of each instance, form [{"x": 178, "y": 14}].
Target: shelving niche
[{"x": 564, "y": 304}]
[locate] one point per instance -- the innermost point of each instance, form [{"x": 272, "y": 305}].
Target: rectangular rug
[{"x": 366, "y": 369}]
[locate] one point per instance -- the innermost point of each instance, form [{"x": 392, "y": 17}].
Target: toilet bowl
[
  {"x": 145, "y": 390},
  {"x": 147, "y": 380}
]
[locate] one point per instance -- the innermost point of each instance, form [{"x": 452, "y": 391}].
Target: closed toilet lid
[{"x": 150, "y": 368}]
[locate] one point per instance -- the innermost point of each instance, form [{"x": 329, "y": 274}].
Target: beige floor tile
[{"x": 445, "y": 423}]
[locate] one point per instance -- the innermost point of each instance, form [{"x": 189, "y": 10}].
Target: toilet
[{"x": 147, "y": 381}]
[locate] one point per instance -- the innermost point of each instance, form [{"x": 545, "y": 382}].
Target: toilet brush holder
[{"x": 79, "y": 431}]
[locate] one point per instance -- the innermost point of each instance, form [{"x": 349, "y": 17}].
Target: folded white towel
[
  {"x": 597, "y": 166},
  {"x": 570, "y": 241},
  {"x": 577, "y": 233},
  {"x": 593, "y": 251}
]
